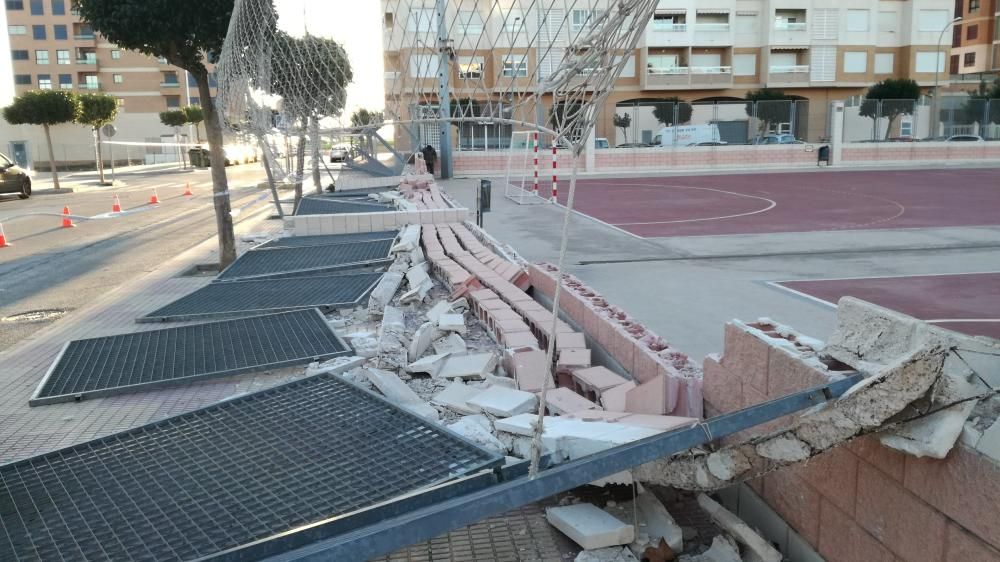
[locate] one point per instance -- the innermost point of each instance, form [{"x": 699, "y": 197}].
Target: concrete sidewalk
[{"x": 28, "y": 431}]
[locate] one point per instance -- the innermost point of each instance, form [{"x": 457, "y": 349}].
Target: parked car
[
  {"x": 15, "y": 179},
  {"x": 784, "y": 138},
  {"x": 633, "y": 145},
  {"x": 687, "y": 135},
  {"x": 239, "y": 154},
  {"x": 338, "y": 154},
  {"x": 601, "y": 142},
  {"x": 965, "y": 138},
  {"x": 709, "y": 143}
]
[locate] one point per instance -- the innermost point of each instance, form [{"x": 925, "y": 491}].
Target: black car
[{"x": 15, "y": 179}]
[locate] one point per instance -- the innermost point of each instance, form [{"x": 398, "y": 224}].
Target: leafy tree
[
  {"x": 983, "y": 104},
  {"x": 623, "y": 122},
  {"x": 182, "y": 32},
  {"x": 363, "y": 117},
  {"x": 766, "y": 102},
  {"x": 663, "y": 111},
  {"x": 890, "y": 98},
  {"x": 96, "y": 111},
  {"x": 195, "y": 116},
  {"x": 173, "y": 118},
  {"x": 45, "y": 108}
]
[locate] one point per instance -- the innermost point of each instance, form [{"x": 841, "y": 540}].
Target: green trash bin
[{"x": 194, "y": 155}]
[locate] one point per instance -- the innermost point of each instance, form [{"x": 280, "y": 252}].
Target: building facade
[
  {"x": 976, "y": 38},
  {"x": 51, "y": 48},
  {"x": 706, "y": 52}
]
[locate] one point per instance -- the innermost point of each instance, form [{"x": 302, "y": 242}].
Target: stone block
[
  {"x": 746, "y": 355},
  {"x": 843, "y": 540},
  {"x": 479, "y": 430},
  {"x": 504, "y": 402},
  {"x": 530, "y": 370},
  {"x": 598, "y": 378},
  {"x": 649, "y": 397},
  {"x": 789, "y": 373},
  {"x": 644, "y": 363},
  {"x": 520, "y": 339},
  {"x": 470, "y": 366},
  {"x": 452, "y": 344},
  {"x": 834, "y": 474},
  {"x": 869, "y": 449},
  {"x": 569, "y": 438},
  {"x": 795, "y": 501},
  {"x": 397, "y": 392},
  {"x": 455, "y": 397},
  {"x": 963, "y": 545},
  {"x": 431, "y": 364},
  {"x": 614, "y": 398},
  {"x": 451, "y": 323},
  {"x": 590, "y": 526},
  {"x": 723, "y": 389},
  {"x": 563, "y": 401},
  {"x": 571, "y": 341},
  {"x": 624, "y": 348},
  {"x": 422, "y": 339},
  {"x": 574, "y": 359},
  {"x": 899, "y": 520}
]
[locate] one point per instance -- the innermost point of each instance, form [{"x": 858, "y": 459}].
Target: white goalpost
[{"x": 523, "y": 169}]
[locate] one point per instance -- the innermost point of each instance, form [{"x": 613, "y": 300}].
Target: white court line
[
  {"x": 984, "y": 320},
  {"x": 884, "y": 277},
  {"x": 779, "y": 286},
  {"x": 772, "y": 204}
]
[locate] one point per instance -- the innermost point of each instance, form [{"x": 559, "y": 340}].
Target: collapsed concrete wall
[{"x": 863, "y": 500}]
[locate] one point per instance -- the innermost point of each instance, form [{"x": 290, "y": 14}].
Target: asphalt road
[{"x": 49, "y": 271}]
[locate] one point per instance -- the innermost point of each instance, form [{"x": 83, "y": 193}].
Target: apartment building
[
  {"x": 705, "y": 51},
  {"x": 51, "y": 48},
  {"x": 976, "y": 38}
]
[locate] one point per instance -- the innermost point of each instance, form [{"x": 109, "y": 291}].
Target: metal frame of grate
[
  {"x": 277, "y": 262},
  {"x": 253, "y": 297},
  {"x": 335, "y": 206},
  {"x": 326, "y": 240},
  {"x": 246, "y": 471},
  {"x": 172, "y": 356}
]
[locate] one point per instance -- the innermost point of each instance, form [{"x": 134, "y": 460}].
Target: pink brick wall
[
  {"x": 922, "y": 152},
  {"x": 860, "y": 501}
]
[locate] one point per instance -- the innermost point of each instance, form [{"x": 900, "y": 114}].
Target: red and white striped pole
[
  {"x": 555, "y": 182},
  {"x": 535, "y": 189}
]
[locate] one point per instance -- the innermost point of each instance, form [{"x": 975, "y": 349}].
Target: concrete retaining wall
[
  {"x": 923, "y": 152},
  {"x": 307, "y": 225}
]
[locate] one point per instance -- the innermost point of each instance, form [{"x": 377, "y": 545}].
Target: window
[
  {"x": 470, "y": 67},
  {"x": 85, "y": 31},
  {"x": 66, "y": 81},
  {"x": 15, "y": 5},
  {"x": 969, "y": 59},
  {"x": 926, "y": 62},
  {"x": 38, "y": 32},
  {"x": 855, "y": 62},
  {"x": 170, "y": 78},
  {"x": 470, "y": 22},
  {"x": 161, "y": 60},
  {"x": 932, "y": 20},
  {"x": 423, "y": 66},
  {"x": 674, "y": 20},
  {"x": 885, "y": 63},
  {"x": 22, "y": 79},
  {"x": 121, "y": 103},
  {"x": 973, "y": 6},
  {"x": 117, "y": 78},
  {"x": 195, "y": 100},
  {"x": 972, "y": 32},
  {"x": 41, "y": 57},
  {"x": 60, "y": 32},
  {"x": 582, "y": 19},
  {"x": 116, "y": 54},
  {"x": 17, "y": 30},
  {"x": 745, "y": 65},
  {"x": 58, "y": 7},
  {"x": 62, "y": 56},
  {"x": 887, "y": 22},
  {"x": 513, "y": 21},
  {"x": 173, "y": 101},
  {"x": 746, "y": 22},
  {"x": 422, "y": 20},
  {"x": 90, "y": 82},
  {"x": 823, "y": 63},
  {"x": 857, "y": 20},
  {"x": 37, "y": 8},
  {"x": 515, "y": 67},
  {"x": 19, "y": 55},
  {"x": 44, "y": 81}
]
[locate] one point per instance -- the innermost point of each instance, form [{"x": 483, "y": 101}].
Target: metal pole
[
  {"x": 444, "y": 70},
  {"x": 935, "y": 118}
]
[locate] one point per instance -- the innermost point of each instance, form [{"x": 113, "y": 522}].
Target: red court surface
[
  {"x": 967, "y": 303},
  {"x": 791, "y": 202}
]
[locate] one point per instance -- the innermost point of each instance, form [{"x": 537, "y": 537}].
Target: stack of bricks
[
  {"x": 858, "y": 501},
  {"x": 668, "y": 381}
]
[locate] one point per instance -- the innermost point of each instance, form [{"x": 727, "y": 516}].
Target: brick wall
[
  {"x": 925, "y": 152},
  {"x": 305, "y": 225},
  {"x": 860, "y": 501}
]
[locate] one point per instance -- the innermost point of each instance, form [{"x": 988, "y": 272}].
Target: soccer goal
[{"x": 521, "y": 173}]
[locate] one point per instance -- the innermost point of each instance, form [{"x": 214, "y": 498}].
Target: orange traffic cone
[
  {"x": 187, "y": 190},
  {"x": 154, "y": 200},
  {"x": 67, "y": 222},
  {"x": 117, "y": 207},
  {"x": 3, "y": 239}
]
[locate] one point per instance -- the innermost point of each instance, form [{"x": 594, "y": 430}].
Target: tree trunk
[
  {"x": 270, "y": 178},
  {"x": 52, "y": 158},
  {"x": 317, "y": 153},
  {"x": 300, "y": 166},
  {"x": 220, "y": 185},
  {"x": 197, "y": 132},
  {"x": 97, "y": 152},
  {"x": 888, "y": 128}
]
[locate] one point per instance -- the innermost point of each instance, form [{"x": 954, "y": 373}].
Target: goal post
[{"x": 522, "y": 171}]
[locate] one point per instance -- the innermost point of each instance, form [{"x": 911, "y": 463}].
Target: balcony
[
  {"x": 170, "y": 84},
  {"x": 712, "y": 76},
  {"x": 89, "y": 59},
  {"x": 790, "y": 26},
  {"x": 712, "y": 27},
  {"x": 669, "y": 27},
  {"x": 93, "y": 86},
  {"x": 788, "y": 74},
  {"x": 657, "y": 77},
  {"x": 84, "y": 36}
]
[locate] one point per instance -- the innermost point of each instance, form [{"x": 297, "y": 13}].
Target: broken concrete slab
[
  {"x": 568, "y": 438},
  {"x": 478, "y": 429},
  {"x": 451, "y": 323},
  {"x": 611, "y": 554},
  {"x": 658, "y": 521},
  {"x": 563, "y": 401},
  {"x": 397, "y": 392},
  {"x": 439, "y": 308},
  {"x": 334, "y": 366},
  {"x": 456, "y": 396},
  {"x": 422, "y": 339},
  {"x": 662, "y": 423},
  {"x": 652, "y": 396},
  {"x": 470, "y": 366},
  {"x": 452, "y": 344},
  {"x": 598, "y": 378},
  {"x": 430, "y": 364},
  {"x": 384, "y": 291},
  {"x": 504, "y": 402},
  {"x": 931, "y": 436},
  {"x": 530, "y": 370},
  {"x": 409, "y": 239},
  {"x": 589, "y": 526},
  {"x": 494, "y": 380},
  {"x": 365, "y": 346},
  {"x": 727, "y": 521},
  {"x": 723, "y": 549},
  {"x": 392, "y": 320}
]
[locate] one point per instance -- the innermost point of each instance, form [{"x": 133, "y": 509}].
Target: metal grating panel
[
  {"x": 260, "y": 296},
  {"x": 238, "y": 471},
  {"x": 266, "y": 263},
  {"x": 327, "y": 239},
  {"x": 334, "y": 206},
  {"x": 171, "y": 356}
]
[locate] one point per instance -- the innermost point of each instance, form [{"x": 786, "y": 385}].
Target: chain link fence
[{"x": 955, "y": 118}]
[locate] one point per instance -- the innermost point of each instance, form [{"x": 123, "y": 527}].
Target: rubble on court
[{"x": 590, "y": 526}]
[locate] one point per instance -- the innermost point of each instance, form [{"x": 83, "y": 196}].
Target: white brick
[
  {"x": 504, "y": 402},
  {"x": 590, "y": 526}
]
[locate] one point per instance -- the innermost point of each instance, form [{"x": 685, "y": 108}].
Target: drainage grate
[
  {"x": 269, "y": 263},
  {"x": 333, "y": 206},
  {"x": 327, "y": 239},
  {"x": 260, "y": 296},
  {"x": 172, "y": 356},
  {"x": 208, "y": 481}
]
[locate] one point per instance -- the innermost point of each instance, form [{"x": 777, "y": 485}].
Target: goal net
[{"x": 524, "y": 168}]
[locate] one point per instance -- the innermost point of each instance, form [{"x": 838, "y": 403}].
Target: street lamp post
[{"x": 937, "y": 72}]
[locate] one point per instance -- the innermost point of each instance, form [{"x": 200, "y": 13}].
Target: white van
[{"x": 687, "y": 135}]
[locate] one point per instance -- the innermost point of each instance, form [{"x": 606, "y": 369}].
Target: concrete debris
[
  {"x": 530, "y": 370},
  {"x": 613, "y": 399},
  {"x": 365, "y": 346},
  {"x": 460, "y": 305},
  {"x": 393, "y": 320},
  {"x": 784, "y": 448},
  {"x": 507, "y": 382},
  {"x": 451, "y": 323},
  {"x": 658, "y": 521},
  {"x": 422, "y": 339},
  {"x": 589, "y": 526},
  {"x": 439, "y": 308},
  {"x": 470, "y": 366},
  {"x": 479, "y": 430},
  {"x": 420, "y": 284},
  {"x": 613, "y": 554},
  {"x": 409, "y": 239},
  {"x": 504, "y": 402},
  {"x": 456, "y": 396},
  {"x": 759, "y": 549},
  {"x": 384, "y": 291},
  {"x": 563, "y": 401},
  {"x": 334, "y": 366},
  {"x": 452, "y": 344},
  {"x": 723, "y": 549},
  {"x": 416, "y": 256},
  {"x": 931, "y": 436},
  {"x": 568, "y": 438},
  {"x": 397, "y": 392},
  {"x": 392, "y": 348},
  {"x": 430, "y": 364}
]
